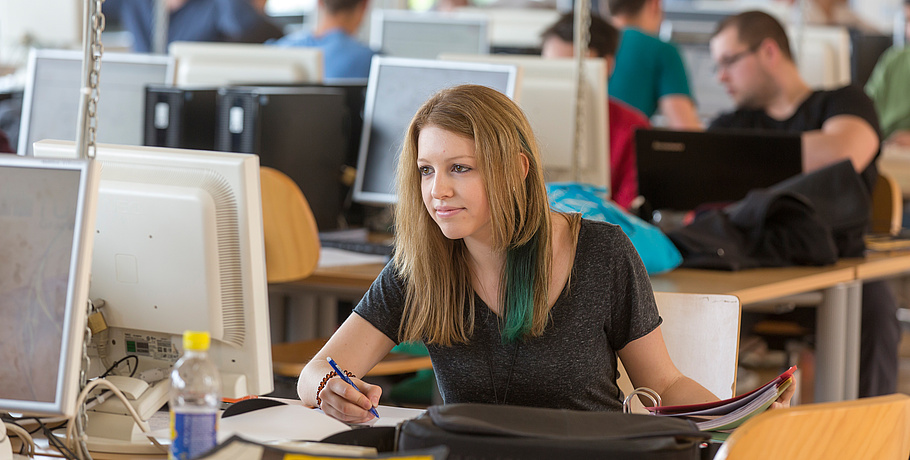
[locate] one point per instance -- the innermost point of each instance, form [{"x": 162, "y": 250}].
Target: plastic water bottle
[{"x": 195, "y": 399}]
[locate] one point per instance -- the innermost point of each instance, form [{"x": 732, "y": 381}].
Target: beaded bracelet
[{"x": 326, "y": 380}]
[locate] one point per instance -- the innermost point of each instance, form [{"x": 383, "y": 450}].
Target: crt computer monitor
[
  {"x": 425, "y": 35},
  {"x": 47, "y": 210},
  {"x": 178, "y": 246},
  {"x": 219, "y": 64},
  {"x": 397, "y": 88},
  {"x": 547, "y": 95},
  {"x": 52, "y": 93}
]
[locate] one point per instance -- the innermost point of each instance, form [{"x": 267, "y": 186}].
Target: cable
[
  {"x": 91, "y": 402},
  {"x": 118, "y": 362},
  {"x": 83, "y": 395},
  {"x": 56, "y": 444},
  {"x": 27, "y": 442}
]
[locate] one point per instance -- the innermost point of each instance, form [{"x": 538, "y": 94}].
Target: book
[{"x": 730, "y": 413}]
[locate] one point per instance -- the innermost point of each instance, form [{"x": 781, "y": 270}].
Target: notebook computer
[{"x": 680, "y": 170}]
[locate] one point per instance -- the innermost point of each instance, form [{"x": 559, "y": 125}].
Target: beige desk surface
[
  {"x": 883, "y": 265},
  {"x": 759, "y": 284},
  {"x": 750, "y": 286},
  {"x": 344, "y": 276}
]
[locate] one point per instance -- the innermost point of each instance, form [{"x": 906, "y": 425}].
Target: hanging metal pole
[
  {"x": 84, "y": 91},
  {"x": 92, "y": 49},
  {"x": 582, "y": 39},
  {"x": 162, "y": 17}
]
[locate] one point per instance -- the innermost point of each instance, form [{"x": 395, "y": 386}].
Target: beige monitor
[
  {"x": 547, "y": 94},
  {"x": 218, "y": 64}
]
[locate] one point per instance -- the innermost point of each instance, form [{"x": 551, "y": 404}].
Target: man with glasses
[{"x": 753, "y": 61}]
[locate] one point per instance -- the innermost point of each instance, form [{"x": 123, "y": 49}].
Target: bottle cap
[{"x": 196, "y": 340}]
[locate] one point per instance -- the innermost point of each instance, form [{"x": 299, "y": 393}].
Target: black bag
[
  {"x": 486, "y": 431},
  {"x": 841, "y": 201},
  {"x": 765, "y": 229},
  {"x": 809, "y": 219}
]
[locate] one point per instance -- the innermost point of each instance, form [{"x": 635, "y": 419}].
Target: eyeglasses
[{"x": 725, "y": 63}]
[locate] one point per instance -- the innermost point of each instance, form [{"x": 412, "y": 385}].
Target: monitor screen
[
  {"x": 547, "y": 95},
  {"x": 397, "y": 88},
  {"x": 218, "y": 64},
  {"x": 178, "y": 246},
  {"x": 51, "y": 105},
  {"x": 426, "y": 35},
  {"x": 866, "y": 49},
  {"x": 47, "y": 210},
  {"x": 711, "y": 98}
]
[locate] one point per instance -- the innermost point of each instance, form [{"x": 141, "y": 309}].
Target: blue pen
[{"x": 346, "y": 379}]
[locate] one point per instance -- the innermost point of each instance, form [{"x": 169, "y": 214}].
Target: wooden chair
[
  {"x": 887, "y": 206},
  {"x": 864, "y": 429},
  {"x": 291, "y": 237},
  {"x": 702, "y": 336},
  {"x": 292, "y": 253}
]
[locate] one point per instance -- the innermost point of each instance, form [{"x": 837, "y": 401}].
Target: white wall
[{"x": 50, "y": 23}]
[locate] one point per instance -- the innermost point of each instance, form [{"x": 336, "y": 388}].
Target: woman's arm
[
  {"x": 356, "y": 347},
  {"x": 649, "y": 365}
]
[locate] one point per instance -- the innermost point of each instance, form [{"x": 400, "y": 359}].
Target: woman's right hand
[{"x": 343, "y": 402}]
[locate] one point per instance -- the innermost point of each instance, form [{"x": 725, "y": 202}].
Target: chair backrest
[
  {"x": 702, "y": 336},
  {"x": 887, "y": 205},
  {"x": 291, "y": 237},
  {"x": 863, "y": 429}
]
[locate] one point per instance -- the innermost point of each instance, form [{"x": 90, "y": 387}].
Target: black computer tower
[
  {"x": 355, "y": 92},
  {"x": 301, "y": 131},
  {"x": 180, "y": 117}
]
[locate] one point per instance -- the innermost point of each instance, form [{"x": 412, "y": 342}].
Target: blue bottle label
[{"x": 192, "y": 434}]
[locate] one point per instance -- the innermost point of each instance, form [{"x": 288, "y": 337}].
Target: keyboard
[{"x": 362, "y": 247}]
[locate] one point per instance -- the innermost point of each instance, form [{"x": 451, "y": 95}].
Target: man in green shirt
[
  {"x": 650, "y": 74},
  {"x": 889, "y": 88}
]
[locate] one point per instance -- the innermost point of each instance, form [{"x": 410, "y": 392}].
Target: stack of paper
[{"x": 722, "y": 416}]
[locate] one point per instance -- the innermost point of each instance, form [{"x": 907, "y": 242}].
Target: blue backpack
[{"x": 656, "y": 250}]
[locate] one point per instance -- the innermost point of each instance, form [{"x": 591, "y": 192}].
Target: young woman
[{"x": 516, "y": 304}]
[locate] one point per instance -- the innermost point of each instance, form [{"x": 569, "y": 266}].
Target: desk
[
  {"x": 313, "y": 301},
  {"x": 838, "y": 321}
]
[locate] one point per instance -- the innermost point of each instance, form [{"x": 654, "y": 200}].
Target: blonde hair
[{"x": 434, "y": 268}]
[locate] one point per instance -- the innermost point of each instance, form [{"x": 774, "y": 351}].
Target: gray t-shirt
[{"x": 608, "y": 303}]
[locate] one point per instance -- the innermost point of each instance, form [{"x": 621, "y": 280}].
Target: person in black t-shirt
[{"x": 753, "y": 59}]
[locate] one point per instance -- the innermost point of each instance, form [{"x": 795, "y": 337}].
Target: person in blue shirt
[
  {"x": 650, "y": 74},
  {"x": 339, "y": 20},
  {"x": 194, "y": 20}
]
